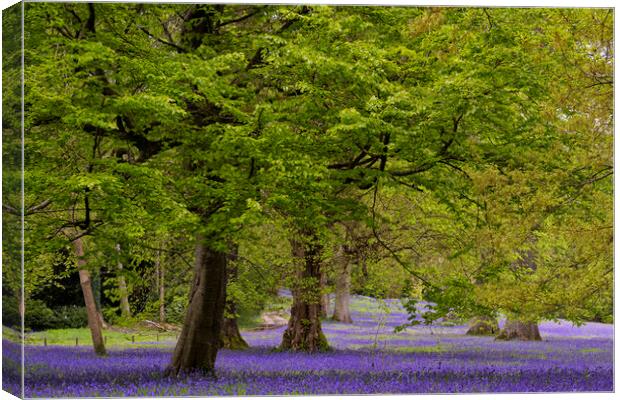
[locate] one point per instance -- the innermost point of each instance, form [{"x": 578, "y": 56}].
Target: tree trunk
[
  {"x": 362, "y": 261},
  {"x": 324, "y": 295},
  {"x": 483, "y": 326},
  {"x": 21, "y": 307},
  {"x": 102, "y": 322},
  {"x": 199, "y": 341},
  {"x": 94, "y": 322},
  {"x": 231, "y": 337},
  {"x": 343, "y": 286},
  {"x": 161, "y": 288},
  {"x": 122, "y": 286},
  {"x": 518, "y": 330},
  {"x": 522, "y": 330},
  {"x": 304, "y": 332}
]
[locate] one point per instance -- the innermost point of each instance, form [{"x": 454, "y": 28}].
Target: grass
[
  {"x": 592, "y": 350},
  {"x": 67, "y": 337},
  {"x": 137, "y": 337},
  {"x": 152, "y": 338},
  {"x": 248, "y": 322},
  {"x": 10, "y": 334}
]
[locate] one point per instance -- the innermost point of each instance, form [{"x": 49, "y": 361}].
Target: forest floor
[{"x": 366, "y": 357}]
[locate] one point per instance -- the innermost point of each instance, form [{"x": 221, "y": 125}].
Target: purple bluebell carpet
[{"x": 367, "y": 357}]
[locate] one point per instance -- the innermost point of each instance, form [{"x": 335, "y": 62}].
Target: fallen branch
[{"x": 162, "y": 327}]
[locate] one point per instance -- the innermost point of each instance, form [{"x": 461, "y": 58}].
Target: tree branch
[
  {"x": 11, "y": 210},
  {"x": 178, "y": 48},
  {"x": 29, "y": 210},
  {"x": 38, "y": 207},
  {"x": 234, "y": 21},
  {"x": 384, "y": 245}
]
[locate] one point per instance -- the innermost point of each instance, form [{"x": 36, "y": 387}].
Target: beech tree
[
  {"x": 522, "y": 220},
  {"x": 12, "y": 202},
  {"x": 75, "y": 98},
  {"x": 231, "y": 337},
  {"x": 583, "y": 174}
]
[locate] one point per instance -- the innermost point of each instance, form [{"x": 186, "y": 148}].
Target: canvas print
[{"x": 260, "y": 199}]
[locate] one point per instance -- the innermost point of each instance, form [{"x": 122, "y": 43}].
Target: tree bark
[
  {"x": 483, "y": 326},
  {"x": 122, "y": 286},
  {"x": 324, "y": 295},
  {"x": 304, "y": 332},
  {"x": 21, "y": 306},
  {"x": 231, "y": 337},
  {"x": 519, "y": 330},
  {"x": 200, "y": 341},
  {"x": 102, "y": 322},
  {"x": 362, "y": 261},
  {"x": 161, "y": 288},
  {"x": 94, "y": 323},
  {"x": 343, "y": 286}
]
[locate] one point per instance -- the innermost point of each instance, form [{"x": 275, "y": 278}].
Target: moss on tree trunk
[
  {"x": 231, "y": 337},
  {"x": 304, "y": 332}
]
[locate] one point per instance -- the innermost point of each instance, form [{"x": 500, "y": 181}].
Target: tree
[
  {"x": 577, "y": 194},
  {"x": 343, "y": 286},
  {"x": 315, "y": 83},
  {"x": 214, "y": 163},
  {"x": 12, "y": 191},
  {"x": 122, "y": 286},
  {"x": 304, "y": 327},
  {"x": 76, "y": 95},
  {"x": 231, "y": 337},
  {"x": 161, "y": 287},
  {"x": 458, "y": 140},
  {"x": 347, "y": 251}
]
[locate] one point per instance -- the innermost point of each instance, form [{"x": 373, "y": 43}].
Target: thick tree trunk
[
  {"x": 518, "y": 330},
  {"x": 304, "y": 332},
  {"x": 199, "y": 341},
  {"x": 343, "y": 286},
  {"x": 122, "y": 286},
  {"x": 324, "y": 295},
  {"x": 483, "y": 326},
  {"x": 94, "y": 322},
  {"x": 231, "y": 337}
]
